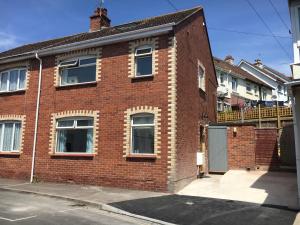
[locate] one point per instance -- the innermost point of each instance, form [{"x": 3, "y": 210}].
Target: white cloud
[{"x": 7, "y": 41}]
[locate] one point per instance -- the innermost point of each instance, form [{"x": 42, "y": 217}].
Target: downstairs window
[
  {"x": 74, "y": 135},
  {"x": 10, "y": 135}
]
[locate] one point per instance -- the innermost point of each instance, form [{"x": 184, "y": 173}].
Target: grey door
[{"x": 217, "y": 149}]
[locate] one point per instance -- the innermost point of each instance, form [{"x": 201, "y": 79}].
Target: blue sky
[{"x": 30, "y": 21}]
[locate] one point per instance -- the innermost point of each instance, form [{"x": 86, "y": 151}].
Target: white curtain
[
  {"x": 22, "y": 79},
  {"x": 7, "y": 139},
  {"x": 4, "y": 77},
  {"x": 13, "y": 80},
  {"x": 17, "y": 136},
  {"x": 89, "y": 141},
  {"x": 61, "y": 140}
]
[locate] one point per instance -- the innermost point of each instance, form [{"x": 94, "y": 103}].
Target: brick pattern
[
  {"x": 157, "y": 128},
  {"x": 20, "y": 118},
  {"x": 97, "y": 52},
  {"x": 172, "y": 68},
  {"x": 241, "y": 147},
  {"x": 153, "y": 42},
  {"x": 74, "y": 113},
  {"x": 267, "y": 148},
  {"x": 23, "y": 64}
]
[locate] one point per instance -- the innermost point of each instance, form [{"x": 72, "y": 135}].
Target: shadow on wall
[{"x": 287, "y": 146}]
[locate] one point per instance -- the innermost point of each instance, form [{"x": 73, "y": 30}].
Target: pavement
[
  {"x": 261, "y": 187},
  {"x": 162, "y": 208}
]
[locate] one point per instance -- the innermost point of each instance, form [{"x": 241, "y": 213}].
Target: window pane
[
  {"x": 17, "y": 136},
  {"x": 79, "y": 75},
  {"x": 143, "y": 140},
  {"x": 65, "y": 123},
  {"x": 22, "y": 79},
  {"x": 144, "y": 65},
  {"x": 13, "y": 80},
  {"x": 69, "y": 63},
  {"x": 87, "y": 61},
  {"x": 75, "y": 140},
  {"x": 144, "y": 51},
  {"x": 84, "y": 123},
  {"x": 7, "y": 139},
  {"x": 4, "y": 77},
  {"x": 147, "y": 119}
]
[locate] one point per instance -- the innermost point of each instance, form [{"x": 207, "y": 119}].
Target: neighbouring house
[
  {"x": 270, "y": 77},
  {"x": 238, "y": 88},
  {"x": 121, "y": 106},
  {"x": 294, "y": 85}
]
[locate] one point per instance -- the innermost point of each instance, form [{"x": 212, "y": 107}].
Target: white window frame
[
  {"x": 77, "y": 60},
  {"x": 19, "y": 69},
  {"x": 136, "y": 55},
  {"x": 264, "y": 94},
  {"x": 248, "y": 88},
  {"x": 2, "y": 123},
  {"x": 236, "y": 84},
  {"x": 132, "y": 125},
  {"x": 75, "y": 127},
  {"x": 201, "y": 77}
]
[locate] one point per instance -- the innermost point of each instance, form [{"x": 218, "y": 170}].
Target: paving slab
[{"x": 261, "y": 187}]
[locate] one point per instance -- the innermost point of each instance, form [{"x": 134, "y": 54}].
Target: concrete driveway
[{"x": 269, "y": 188}]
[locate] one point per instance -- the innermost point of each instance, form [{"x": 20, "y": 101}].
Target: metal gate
[{"x": 217, "y": 149}]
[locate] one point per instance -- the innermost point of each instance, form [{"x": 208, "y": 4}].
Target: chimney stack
[
  {"x": 229, "y": 59},
  {"x": 258, "y": 63},
  {"x": 99, "y": 20}
]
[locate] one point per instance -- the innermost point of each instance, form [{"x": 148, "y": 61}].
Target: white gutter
[
  {"x": 36, "y": 117},
  {"x": 293, "y": 83},
  {"x": 111, "y": 39}
]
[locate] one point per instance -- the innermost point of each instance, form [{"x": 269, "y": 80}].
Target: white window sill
[
  {"x": 141, "y": 156},
  {"x": 77, "y": 84},
  {"x": 12, "y": 92},
  {"x": 10, "y": 153},
  {"x": 249, "y": 93},
  {"x": 72, "y": 154},
  {"x": 143, "y": 76}
]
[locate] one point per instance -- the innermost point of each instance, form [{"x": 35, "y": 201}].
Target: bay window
[
  {"x": 10, "y": 135},
  {"x": 142, "y": 134},
  {"x": 143, "y": 61},
  {"x": 74, "y": 135},
  {"x": 76, "y": 71},
  {"x": 12, "y": 80}
]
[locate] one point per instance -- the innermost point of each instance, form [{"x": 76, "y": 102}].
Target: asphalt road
[
  {"x": 188, "y": 210},
  {"x": 29, "y": 209}
]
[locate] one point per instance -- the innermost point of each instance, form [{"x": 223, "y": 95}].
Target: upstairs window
[
  {"x": 12, "y": 80},
  {"x": 248, "y": 88},
  {"x": 10, "y": 136},
  {"x": 74, "y": 135},
  {"x": 222, "y": 79},
  {"x": 143, "y": 61},
  {"x": 142, "y": 134},
  {"x": 201, "y": 77},
  {"x": 264, "y": 95},
  {"x": 234, "y": 84},
  {"x": 279, "y": 89},
  {"x": 77, "y": 71},
  {"x": 255, "y": 90}
]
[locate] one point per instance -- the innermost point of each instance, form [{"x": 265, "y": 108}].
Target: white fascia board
[
  {"x": 259, "y": 72},
  {"x": 142, "y": 33},
  {"x": 292, "y": 83}
]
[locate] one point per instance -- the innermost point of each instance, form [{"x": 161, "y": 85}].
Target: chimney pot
[
  {"x": 99, "y": 20},
  {"x": 229, "y": 59}
]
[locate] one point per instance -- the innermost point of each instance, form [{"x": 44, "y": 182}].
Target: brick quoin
[{"x": 112, "y": 95}]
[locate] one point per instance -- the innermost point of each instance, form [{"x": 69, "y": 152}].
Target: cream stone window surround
[
  {"x": 15, "y": 119},
  {"x": 139, "y": 45},
  {"x": 74, "y": 114},
  {"x": 79, "y": 55},
  {"x": 140, "y": 110},
  {"x": 17, "y": 66}
]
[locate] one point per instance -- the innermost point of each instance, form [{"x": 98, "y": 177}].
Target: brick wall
[
  {"x": 252, "y": 147},
  {"x": 266, "y": 148},
  {"x": 241, "y": 147},
  {"x": 193, "y": 104}
]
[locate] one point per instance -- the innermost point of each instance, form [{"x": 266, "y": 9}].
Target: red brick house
[{"x": 117, "y": 106}]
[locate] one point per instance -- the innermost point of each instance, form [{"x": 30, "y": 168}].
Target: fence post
[
  {"x": 242, "y": 115},
  {"x": 278, "y": 130},
  {"x": 278, "y": 116},
  {"x": 259, "y": 116}
]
